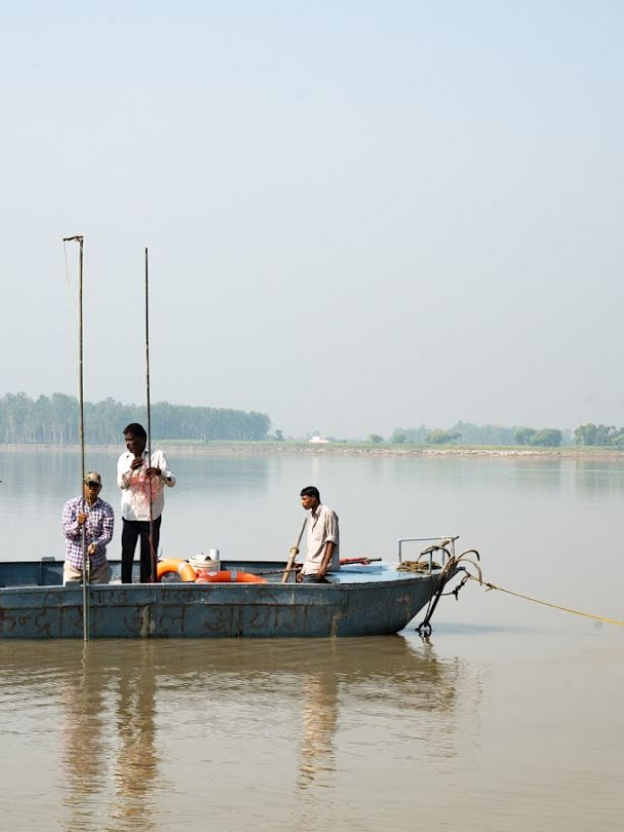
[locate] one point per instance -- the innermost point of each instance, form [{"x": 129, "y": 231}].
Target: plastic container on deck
[{"x": 209, "y": 562}]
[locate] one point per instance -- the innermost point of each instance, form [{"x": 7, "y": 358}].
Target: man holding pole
[
  {"x": 323, "y": 539},
  {"x": 142, "y": 482},
  {"x": 90, "y": 520}
]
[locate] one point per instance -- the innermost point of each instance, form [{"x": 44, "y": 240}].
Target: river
[{"x": 507, "y": 718}]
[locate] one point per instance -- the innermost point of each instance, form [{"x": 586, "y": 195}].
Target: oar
[
  {"x": 294, "y": 551},
  {"x": 364, "y": 561}
]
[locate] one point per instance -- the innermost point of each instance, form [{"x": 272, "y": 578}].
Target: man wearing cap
[
  {"x": 91, "y": 514},
  {"x": 323, "y": 538},
  {"x": 142, "y": 482}
]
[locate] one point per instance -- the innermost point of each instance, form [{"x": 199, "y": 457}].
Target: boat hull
[{"x": 382, "y": 603}]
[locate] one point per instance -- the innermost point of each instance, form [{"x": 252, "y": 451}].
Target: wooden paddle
[{"x": 294, "y": 551}]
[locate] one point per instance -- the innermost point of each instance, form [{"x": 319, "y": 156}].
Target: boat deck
[
  {"x": 49, "y": 572},
  {"x": 359, "y": 600}
]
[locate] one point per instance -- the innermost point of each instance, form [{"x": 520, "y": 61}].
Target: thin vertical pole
[
  {"x": 153, "y": 553},
  {"x": 85, "y": 561},
  {"x": 81, "y": 375}
]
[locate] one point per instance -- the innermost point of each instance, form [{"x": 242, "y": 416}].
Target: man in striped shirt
[{"x": 96, "y": 517}]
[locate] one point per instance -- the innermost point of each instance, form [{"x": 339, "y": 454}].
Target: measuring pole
[
  {"x": 85, "y": 561},
  {"x": 153, "y": 553}
]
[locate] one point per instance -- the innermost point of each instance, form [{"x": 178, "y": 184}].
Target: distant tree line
[
  {"x": 602, "y": 435},
  {"x": 545, "y": 438},
  {"x": 471, "y": 434},
  {"x": 53, "y": 420}
]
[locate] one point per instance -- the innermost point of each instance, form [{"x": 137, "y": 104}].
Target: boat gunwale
[{"x": 184, "y": 586}]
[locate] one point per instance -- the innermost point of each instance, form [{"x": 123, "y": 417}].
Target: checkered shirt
[{"x": 98, "y": 529}]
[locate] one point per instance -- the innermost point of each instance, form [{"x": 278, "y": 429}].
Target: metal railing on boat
[{"x": 446, "y": 541}]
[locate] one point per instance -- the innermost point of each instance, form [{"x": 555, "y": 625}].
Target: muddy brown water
[{"x": 507, "y": 718}]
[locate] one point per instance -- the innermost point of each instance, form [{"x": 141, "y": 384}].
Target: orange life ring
[
  {"x": 226, "y": 577},
  {"x": 184, "y": 569}
]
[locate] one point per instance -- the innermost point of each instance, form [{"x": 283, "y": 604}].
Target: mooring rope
[
  {"x": 450, "y": 568},
  {"x": 602, "y": 618},
  {"x": 454, "y": 563}
]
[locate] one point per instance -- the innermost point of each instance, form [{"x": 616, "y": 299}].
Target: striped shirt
[{"x": 98, "y": 529}]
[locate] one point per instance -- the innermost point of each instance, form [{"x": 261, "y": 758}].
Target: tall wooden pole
[
  {"x": 153, "y": 553},
  {"x": 85, "y": 560}
]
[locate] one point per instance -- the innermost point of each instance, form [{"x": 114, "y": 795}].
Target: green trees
[
  {"x": 524, "y": 436},
  {"x": 415, "y": 436},
  {"x": 547, "y": 438},
  {"x": 544, "y": 438},
  {"x": 442, "y": 437},
  {"x": 54, "y": 420},
  {"x": 603, "y": 435},
  {"x": 471, "y": 434}
]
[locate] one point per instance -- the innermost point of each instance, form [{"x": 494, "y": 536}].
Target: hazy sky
[{"x": 360, "y": 215}]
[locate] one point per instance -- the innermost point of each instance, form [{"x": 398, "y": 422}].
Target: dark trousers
[{"x": 132, "y": 530}]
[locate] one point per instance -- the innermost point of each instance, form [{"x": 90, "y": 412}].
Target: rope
[
  {"x": 489, "y": 586},
  {"x": 449, "y": 569},
  {"x": 416, "y": 566}
]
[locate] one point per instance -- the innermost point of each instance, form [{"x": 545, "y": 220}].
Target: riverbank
[{"x": 341, "y": 449}]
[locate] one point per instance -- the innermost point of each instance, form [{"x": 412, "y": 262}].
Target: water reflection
[
  {"x": 104, "y": 704},
  {"x": 82, "y": 746},
  {"x": 233, "y": 701},
  {"x": 318, "y": 725},
  {"x": 371, "y": 693},
  {"x": 135, "y": 772},
  {"x": 107, "y": 722},
  {"x": 598, "y": 480},
  {"x": 57, "y": 473},
  {"x": 203, "y": 511},
  {"x": 245, "y": 475}
]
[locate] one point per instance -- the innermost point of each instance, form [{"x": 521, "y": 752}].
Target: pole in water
[
  {"x": 85, "y": 563},
  {"x": 153, "y": 553}
]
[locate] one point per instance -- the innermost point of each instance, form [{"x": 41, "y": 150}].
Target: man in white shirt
[
  {"x": 142, "y": 482},
  {"x": 323, "y": 539}
]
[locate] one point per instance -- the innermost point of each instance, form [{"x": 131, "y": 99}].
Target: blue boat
[{"x": 359, "y": 600}]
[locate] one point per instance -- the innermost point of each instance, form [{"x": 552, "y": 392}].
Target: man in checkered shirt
[{"x": 97, "y": 519}]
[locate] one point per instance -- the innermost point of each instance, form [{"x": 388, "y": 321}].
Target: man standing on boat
[
  {"x": 142, "y": 482},
  {"x": 323, "y": 539},
  {"x": 96, "y": 517}
]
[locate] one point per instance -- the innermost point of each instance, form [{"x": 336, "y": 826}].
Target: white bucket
[{"x": 209, "y": 561}]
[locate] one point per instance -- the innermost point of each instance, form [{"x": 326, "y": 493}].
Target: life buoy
[
  {"x": 225, "y": 577},
  {"x": 184, "y": 569}
]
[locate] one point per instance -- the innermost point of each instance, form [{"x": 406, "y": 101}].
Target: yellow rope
[{"x": 547, "y": 604}]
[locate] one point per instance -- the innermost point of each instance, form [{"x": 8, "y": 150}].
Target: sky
[{"x": 360, "y": 215}]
